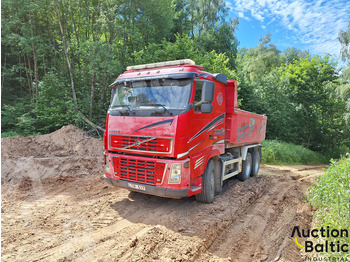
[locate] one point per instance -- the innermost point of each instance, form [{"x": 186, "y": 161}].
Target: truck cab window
[
  {"x": 165, "y": 96},
  {"x": 198, "y": 95}
]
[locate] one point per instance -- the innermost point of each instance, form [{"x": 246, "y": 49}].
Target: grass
[
  {"x": 14, "y": 133},
  {"x": 9, "y": 134},
  {"x": 282, "y": 153},
  {"x": 331, "y": 198}
]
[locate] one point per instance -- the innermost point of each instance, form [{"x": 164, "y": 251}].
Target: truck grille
[
  {"x": 141, "y": 143},
  {"x": 146, "y": 172}
]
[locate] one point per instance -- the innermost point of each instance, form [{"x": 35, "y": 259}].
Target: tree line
[{"x": 58, "y": 58}]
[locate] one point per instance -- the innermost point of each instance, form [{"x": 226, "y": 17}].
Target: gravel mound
[{"x": 68, "y": 151}]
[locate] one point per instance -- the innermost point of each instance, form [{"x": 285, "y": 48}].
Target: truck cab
[{"x": 169, "y": 131}]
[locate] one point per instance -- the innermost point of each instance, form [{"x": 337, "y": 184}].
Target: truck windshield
[{"x": 162, "y": 94}]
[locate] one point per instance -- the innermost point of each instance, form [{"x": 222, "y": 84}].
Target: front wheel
[
  {"x": 208, "y": 184},
  {"x": 246, "y": 168}
]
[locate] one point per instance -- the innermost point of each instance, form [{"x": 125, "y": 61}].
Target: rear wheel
[
  {"x": 246, "y": 168},
  {"x": 256, "y": 159},
  {"x": 208, "y": 184}
]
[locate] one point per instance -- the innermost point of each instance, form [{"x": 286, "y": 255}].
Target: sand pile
[{"x": 68, "y": 151}]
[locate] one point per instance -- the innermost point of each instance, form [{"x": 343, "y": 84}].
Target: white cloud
[
  {"x": 241, "y": 15},
  {"x": 272, "y": 20},
  {"x": 258, "y": 15},
  {"x": 316, "y": 23}
]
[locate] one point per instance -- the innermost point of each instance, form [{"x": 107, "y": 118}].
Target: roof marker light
[{"x": 160, "y": 64}]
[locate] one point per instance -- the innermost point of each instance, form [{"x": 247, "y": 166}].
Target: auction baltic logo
[{"x": 327, "y": 246}]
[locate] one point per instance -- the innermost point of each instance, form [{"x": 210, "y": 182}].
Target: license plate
[{"x": 134, "y": 186}]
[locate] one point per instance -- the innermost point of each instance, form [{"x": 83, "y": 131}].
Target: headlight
[{"x": 175, "y": 174}]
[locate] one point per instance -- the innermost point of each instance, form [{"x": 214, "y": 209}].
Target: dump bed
[{"x": 242, "y": 127}]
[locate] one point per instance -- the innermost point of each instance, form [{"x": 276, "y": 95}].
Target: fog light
[{"x": 175, "y": 174}]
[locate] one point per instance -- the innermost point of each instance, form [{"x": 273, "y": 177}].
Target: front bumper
[{"x": 152, "y": 190}]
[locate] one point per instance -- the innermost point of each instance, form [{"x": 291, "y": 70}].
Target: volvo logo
[{"x": 137, "y": 143}]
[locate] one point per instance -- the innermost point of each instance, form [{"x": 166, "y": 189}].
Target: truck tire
[
  {"x": 246, "y": 168},
  {"x": 256, "y": 159},
  {"x": 208, "y": 184},
  {"x": 218, "y": 176}
]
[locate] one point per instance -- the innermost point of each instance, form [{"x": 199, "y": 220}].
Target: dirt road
[{"x": 56, "y": 207}]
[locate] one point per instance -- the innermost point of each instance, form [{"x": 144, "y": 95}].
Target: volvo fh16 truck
[{"x": 174, "y": 130}]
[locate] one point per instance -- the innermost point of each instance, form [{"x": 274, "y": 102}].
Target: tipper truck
[{"x": 174, "y": 130}]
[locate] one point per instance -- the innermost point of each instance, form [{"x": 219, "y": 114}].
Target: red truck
[{"x": 174, "y": 130}]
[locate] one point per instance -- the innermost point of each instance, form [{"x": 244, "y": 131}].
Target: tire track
[{"x": 82, "y": 219}]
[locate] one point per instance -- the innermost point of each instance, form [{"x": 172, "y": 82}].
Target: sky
[{"x": 304, "y": 24}]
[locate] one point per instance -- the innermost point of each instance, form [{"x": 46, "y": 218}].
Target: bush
[
  {"x": 278, "y": 152},
  {"x": 331, "y": 197},
  {"x": 10, "y": 115},
  {"x": 52, "y": 109},
  {"x": 9, "y": 134}
]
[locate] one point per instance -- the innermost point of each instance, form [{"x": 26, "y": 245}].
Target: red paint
[{"x": 177, "y": 135}]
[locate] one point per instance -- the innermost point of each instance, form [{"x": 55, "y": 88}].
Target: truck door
[{"x": 207, "y": 129}]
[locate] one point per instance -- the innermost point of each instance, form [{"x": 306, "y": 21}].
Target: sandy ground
[{"x": 57, "y": 207}]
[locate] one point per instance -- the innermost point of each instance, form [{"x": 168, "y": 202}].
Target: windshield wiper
[
  {"x": 127, "y": 106},
  {"x": 165, "y": 109}
]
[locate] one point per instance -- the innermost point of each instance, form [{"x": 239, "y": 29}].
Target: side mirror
[
  {"x": 208, "y": 92},
  {"x": 206, "y": 108}
]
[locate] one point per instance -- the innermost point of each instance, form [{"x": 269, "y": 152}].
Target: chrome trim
[
  {"x": 185, "y": 153},
  {"x": 195, "y": 188},
  {"x": 199, "y": 159},
  {"x": 140, "y": 142},
  {"x": 222, "y": 141},
  {"x": 198, "y": 165},
  {"x": 135, "y": 150},
  {"x": 199, "y": 162}
]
